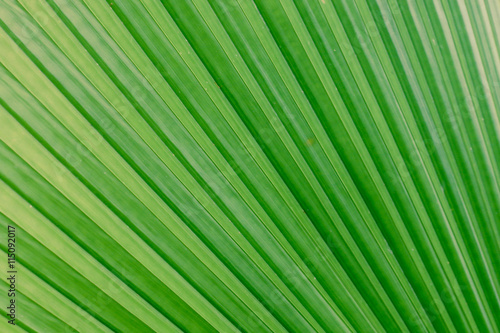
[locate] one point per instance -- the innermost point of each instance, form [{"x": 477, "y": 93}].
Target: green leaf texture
[{"x": 251, "y": 165}]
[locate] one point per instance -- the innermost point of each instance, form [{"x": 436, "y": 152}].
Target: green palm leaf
[{"x": 254, "y": 166}]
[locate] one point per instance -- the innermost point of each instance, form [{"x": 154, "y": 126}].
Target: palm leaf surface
[{"x": 258, "y": 166}]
